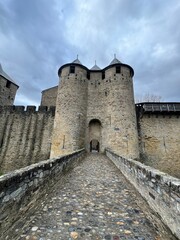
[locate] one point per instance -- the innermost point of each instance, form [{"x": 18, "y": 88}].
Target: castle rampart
[
  {"x": 25, "y": 135},
  {"x": 159, "y": 136}
]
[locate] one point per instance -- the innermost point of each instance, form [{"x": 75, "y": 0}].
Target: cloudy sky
[{"x": 38, "y": 36}]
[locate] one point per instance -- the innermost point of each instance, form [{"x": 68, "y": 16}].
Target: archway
[
  {"x": 94, "y": 145},
  {"x": 94, "y": 135}
]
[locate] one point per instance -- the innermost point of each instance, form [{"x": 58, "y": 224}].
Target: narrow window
[
  {"x": 8, "y": 84},
  {"x": 1, "y": 143},
  {"x": 103, "y": 75},
  {"x": 118, "y": 69},
  {"x": 72, "y": 69},
  {"x": 88, "y": 75}
]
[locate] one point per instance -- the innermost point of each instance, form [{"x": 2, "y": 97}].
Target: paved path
[{"x": 95, "y": 202}]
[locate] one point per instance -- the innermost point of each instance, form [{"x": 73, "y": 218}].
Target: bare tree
[{"x": 148, "y": 97}]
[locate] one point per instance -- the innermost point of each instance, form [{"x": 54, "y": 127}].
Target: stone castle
[{"x": 92, "y": 109}]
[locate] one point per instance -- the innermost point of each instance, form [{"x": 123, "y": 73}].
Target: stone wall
[
  {"x": 25, "y": 136},
  {"x": 21, "y": 189},
  {"x": 161, "y": 191},
  {"x": 7, "y": 91},
  {"x": 49, "y": 97},
  {"x": 160, "y": 141}
]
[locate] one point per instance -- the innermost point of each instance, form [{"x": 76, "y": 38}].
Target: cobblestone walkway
[{"x": 95, "y": 202}]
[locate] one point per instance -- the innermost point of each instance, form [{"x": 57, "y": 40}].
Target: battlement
[
  {"x": 72, "y": 66},
  {"x": 27, "y": 109}
]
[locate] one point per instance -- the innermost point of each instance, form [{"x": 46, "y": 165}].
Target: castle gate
[{"x": 94, "y": 135}]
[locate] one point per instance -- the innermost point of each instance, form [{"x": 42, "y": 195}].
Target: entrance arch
[
  {"x": 94, "y": 145},
  {"x": 94, "y": 135}
]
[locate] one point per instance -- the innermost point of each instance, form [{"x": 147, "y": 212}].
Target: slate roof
[
  {"x": 115, "y": 60},
  {"x": 77, "y": 61},
  {"x": 3, "y": 74},
  {"x": 157, "y": 107},
  {"x": 95, "y": 67}
]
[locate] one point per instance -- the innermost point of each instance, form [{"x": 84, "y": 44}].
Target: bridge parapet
[
  {"x": 161, "y": 191},
  {"x": 21, "y": 189}
]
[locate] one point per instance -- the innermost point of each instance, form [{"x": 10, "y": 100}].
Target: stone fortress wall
[
  {"x": 25, "y": 136},
  {"x": 159, "y": 136}
]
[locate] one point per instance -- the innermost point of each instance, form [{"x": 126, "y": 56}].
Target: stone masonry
[
  {"x": 49, "y": 97},
  {"x": 25, "y": 136}
]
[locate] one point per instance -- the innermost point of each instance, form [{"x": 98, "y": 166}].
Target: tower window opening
[
  {"x": 72, "y": 69},
  {"x": 88, "y": 75},
  {"x": 8, "y": 84},
  {"x": 118, "y": 69},
  {"x": 103, "y": 75}
]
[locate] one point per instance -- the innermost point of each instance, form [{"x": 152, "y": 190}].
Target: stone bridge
[{"x": 89, "y": 196}]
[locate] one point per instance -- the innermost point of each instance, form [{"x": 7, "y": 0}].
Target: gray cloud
[{"x": 39, "y": 36}]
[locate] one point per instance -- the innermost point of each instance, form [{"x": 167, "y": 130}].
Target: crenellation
[
  {"x": 42, "y": 109},
  {"x": 31, "y": 109},
  {"x": 19, "y": 109}
]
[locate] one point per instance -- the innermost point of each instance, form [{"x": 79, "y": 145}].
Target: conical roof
[
  {"x": 77, "y": 61},
  {"x": 95, "y": 67},
  {"x": 114, "y": 61},
  {"x": 3, "y": 74}
]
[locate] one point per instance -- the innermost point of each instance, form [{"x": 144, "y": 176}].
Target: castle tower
[
  {"x": 111, "y": 117},
  {"x": 71, "y": 109},
  {"x": 8, "y": 88},
  {"x": 95, "y": 109}
]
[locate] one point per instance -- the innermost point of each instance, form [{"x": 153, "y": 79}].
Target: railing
[
  {"x": 161, "y": 191},
  {"x": 21, "y": 189}
]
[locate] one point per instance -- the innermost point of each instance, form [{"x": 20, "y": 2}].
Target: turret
[
  {"x": 111, "y": 110},
  {"x": 71, "y": 109},
  {"x": 8, "y": 88},
  {"x": 121, "y": 132}
]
